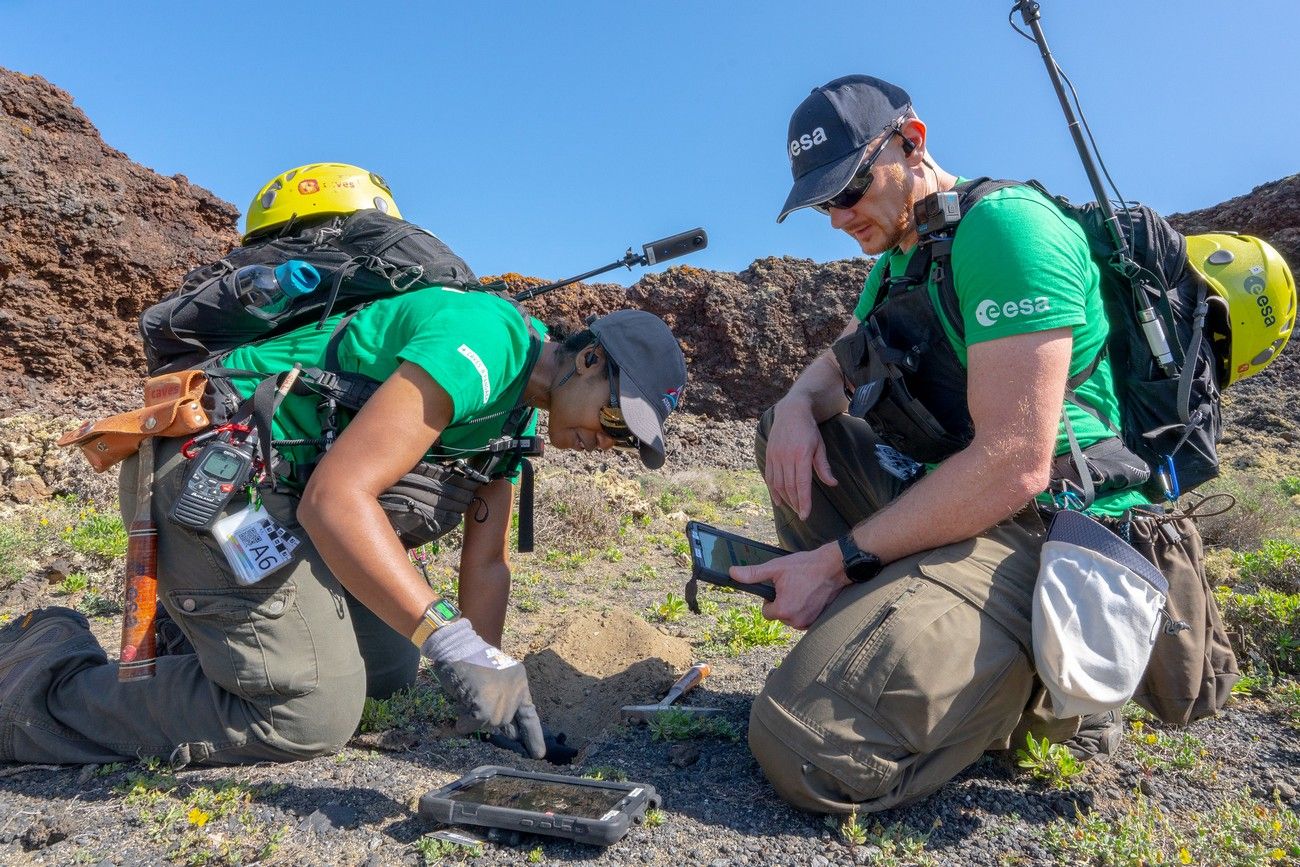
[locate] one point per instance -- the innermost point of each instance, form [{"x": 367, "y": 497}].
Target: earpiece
[
  {"x": 592, "y": 359},
  {"x": 908, "y": 146}
]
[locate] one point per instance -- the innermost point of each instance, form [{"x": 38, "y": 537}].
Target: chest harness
[
  {"x": 428, "y": 501},
  {"x": 906, "y": 380}
]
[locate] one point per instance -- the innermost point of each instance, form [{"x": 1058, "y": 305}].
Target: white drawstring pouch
[{"x": 1096, "y": 615}]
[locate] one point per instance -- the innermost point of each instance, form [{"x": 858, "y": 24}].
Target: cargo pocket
[
  {"x": 253, "y": 642},
  {"x": 924, "y": 663}
]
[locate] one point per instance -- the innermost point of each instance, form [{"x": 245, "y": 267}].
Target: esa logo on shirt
[{"x": 990, "y": 311}]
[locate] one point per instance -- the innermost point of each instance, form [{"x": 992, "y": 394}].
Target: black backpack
[
  {"x": 1170, "y": 416},
  {"x": 361, "y": 257}
]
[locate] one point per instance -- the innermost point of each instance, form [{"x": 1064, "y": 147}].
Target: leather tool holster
[{"x": 173, "y": 407}]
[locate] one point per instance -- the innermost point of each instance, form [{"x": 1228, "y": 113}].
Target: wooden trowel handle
[{"x": 687, "y": 682}]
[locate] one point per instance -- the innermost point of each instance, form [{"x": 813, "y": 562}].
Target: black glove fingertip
[{"x": 530, "y": 731}]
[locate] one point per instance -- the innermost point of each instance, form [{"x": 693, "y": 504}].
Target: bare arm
[
  {"x": 1015, "y": 388},
  {"x": 484, "y": 568},
  {"x": 795, "y": 449},
  {"x": 340, "y": 507}
]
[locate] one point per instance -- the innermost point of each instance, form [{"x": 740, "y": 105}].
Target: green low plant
[
  {"x": 895, "y": 845},
  {"x": 433, "y": 850},
  {"x": 14, "y": 544},
  {"x": 1261, "y": 512},
  {"x": 415, "y": 703},
  {"x": 852, "y": 830},
  {"x": 1275, "y": 564},
  {"x": 97, "y": 533},
  {"x": 644, "y": 572},
  {"x": 535, "y": 855},
  {"x": 1264, "y": 626},
  {"x": 1290, "y": 485},
  {"x": 1287, "y": 696},
  {"x": 1155, "y": 750},
  {"x": 92, "y": 604},
  {"x": 74, "y": 583},
  {"x": 1253, "y": 684},
  {"x": 1048, "y": 762},
  {"x": 676, "y": 724},
  {"x": 654, "y": 818},
  {"x": 606, "y": 772},
  {"x": 672, "y": 609},
  {"x": 743, "y": 628},
  {"x": 1239, "y": 831}
]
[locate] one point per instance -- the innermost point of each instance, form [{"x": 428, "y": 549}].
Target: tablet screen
[
  {"x": 541, "y": 796},
  {"x": 719, "y": 553}
]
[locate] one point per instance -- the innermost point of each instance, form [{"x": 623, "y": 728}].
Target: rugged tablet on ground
[{"x": 589, "y": 811}]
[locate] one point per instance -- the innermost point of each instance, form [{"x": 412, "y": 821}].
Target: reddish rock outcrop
[{"x": 90, "y": 239}]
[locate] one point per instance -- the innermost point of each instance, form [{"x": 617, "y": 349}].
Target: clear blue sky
[{"x": 545, "y": 138}]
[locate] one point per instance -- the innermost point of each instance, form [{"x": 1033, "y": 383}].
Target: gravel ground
[{"x": 358, "y": 807}]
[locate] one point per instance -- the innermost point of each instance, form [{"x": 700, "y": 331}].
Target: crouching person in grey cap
[
  {"x": 916, "y": 511},
  {"x": 279, "y": 668}
]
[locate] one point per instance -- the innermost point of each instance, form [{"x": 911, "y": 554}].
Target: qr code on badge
[
  {"x": 267, "y": 532},
  {"x": 250, "y": 535}
]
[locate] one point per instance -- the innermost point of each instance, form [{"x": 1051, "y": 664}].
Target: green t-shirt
[
  {"x": 1020, "y": 266},
  {"x": 473, "y": 344}
]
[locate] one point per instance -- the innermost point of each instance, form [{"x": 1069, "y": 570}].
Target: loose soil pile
[{"x": 590, "y": 666}]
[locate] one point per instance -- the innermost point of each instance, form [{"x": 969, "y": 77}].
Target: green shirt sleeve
[
  {"x": 475, "y": 358},
  {"x": 1020, "y": 266}
]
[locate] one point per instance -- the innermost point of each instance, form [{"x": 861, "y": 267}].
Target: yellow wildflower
[
  {"x": 1184, "y": 857},
  {"x": 199, "y": 817},
  {"x": 1151, "y": 739}
]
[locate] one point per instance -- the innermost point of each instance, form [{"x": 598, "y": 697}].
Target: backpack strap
[{"x": 940, "y": 257}]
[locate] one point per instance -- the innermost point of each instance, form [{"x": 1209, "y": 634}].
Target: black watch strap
[{"x": 859, "y": 565}]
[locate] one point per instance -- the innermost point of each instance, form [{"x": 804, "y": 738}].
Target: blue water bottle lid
[{"x": 297, "y": 277}]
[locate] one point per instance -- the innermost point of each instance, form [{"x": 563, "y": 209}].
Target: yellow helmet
[
  {"x": 317, "y": 189},
  {"x": 1256, "y": 298}
]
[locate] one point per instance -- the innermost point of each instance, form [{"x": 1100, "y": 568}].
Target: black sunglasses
[
  {"x": 611, "y": 417},
  {"x": 861, "y": 180}
]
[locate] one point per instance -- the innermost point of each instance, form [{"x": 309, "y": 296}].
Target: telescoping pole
[{"x": 1152, "y": 328}]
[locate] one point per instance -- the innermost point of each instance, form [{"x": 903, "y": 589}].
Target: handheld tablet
[{"x": 714, "y": 552}]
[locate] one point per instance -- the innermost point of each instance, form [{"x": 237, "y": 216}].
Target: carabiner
[{"x": 1168, "y": 476}]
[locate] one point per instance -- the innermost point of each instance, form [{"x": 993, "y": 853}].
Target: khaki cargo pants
[
  {"x": 909, "y": 678},
  {"x": 280, "y": 669}
]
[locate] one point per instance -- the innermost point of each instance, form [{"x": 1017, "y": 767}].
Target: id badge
[{"x": 254, "y": 544}]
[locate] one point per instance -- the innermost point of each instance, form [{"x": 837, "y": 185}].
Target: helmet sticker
[{"x": 308, "y": 186}]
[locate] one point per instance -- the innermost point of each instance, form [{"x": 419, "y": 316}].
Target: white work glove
[{"x": 489, "y": 685}]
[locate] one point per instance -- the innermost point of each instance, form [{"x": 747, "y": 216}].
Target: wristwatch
[
  {"x": 859, "y": 565},
  {"x": 439, "y": 613}
]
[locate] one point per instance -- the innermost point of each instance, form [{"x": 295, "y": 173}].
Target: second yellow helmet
[
  {"x": 314, "y": 190},
  {"x": 1256, "y": 295}
]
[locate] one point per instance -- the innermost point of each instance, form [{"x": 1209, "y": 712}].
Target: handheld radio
[{"x": 220, "y": 471}]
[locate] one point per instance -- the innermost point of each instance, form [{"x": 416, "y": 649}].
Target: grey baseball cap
[
  {"x": 651, "y": 374},
  {"x": 829, "y": 133}
]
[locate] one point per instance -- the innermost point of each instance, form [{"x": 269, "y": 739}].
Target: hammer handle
[{"x": 687, "y": 682}]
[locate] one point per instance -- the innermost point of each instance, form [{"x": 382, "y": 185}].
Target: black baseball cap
[
  {"x": 830, "y": 131},
  {"x": 651, "y": 374}
]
